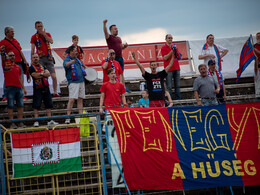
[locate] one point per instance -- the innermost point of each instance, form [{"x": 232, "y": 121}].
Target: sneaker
[
  {"x": 52, "y": 122},
  {"x": 13, "y": 126},
  {"x": 56, "y": 95},
  {"x": 67, "y": 121},
  {"x": 4, "y": 99},
  {"x": 21, "y": 125},
  {"x": 127, "y": 90},
  {"x": 25, "y": 98},
  {"x": 36, "y": 124}
]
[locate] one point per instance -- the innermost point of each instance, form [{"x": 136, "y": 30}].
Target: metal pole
[
  {"x": 119, "y": 168},
  {"x": 102, "y": 155},
  {"x": 2, "y": 171}
]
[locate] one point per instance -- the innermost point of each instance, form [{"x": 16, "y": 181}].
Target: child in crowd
[
  {"x": 144, "y": 102},
  {"x": 129, "y": 102},
  {"x": 81, "y": 54}
]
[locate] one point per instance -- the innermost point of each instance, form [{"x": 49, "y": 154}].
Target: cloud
[
  {"x": 149, "y": 36},
  {"x": 61, "y": 44}
]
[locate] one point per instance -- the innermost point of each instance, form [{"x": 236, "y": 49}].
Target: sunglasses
[
  {"x": 11, "y": 55},
  {"x": 112, "y": 53}
]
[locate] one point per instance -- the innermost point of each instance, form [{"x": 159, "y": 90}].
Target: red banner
[
  {"x": 144, "y": 52},
  {"x": 189, "y": 147}
]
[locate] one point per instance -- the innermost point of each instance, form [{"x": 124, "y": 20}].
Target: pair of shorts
[
  {"x": 121, "y": 62},
  {"x": 77, "y": 90},
  {"x": 45, "y": 61},
  {"x": 156, "y": 103},
  {"x": 14, "y": 94},
  {"x": 40, "y": 95}
]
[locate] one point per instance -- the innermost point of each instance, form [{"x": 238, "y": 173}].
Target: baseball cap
[{"x": 210, "y": 62}]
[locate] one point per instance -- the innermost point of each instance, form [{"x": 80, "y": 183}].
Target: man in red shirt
[
  {"x": 14, "y": 85},
  {"x": 111, "y": 92},
  {"x": 257, "y": 48},
  {"x": 169, "y": 50},
  {"x": 42, "y": 40},
  {"x": 110, "y": 62},
  {"x": 11, "y": 44},
  {"x": 114, "y": 42}
]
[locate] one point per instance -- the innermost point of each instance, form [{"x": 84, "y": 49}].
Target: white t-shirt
[
  {"x": 211, "y": 50},
  {"x": 257, "y": 84}
]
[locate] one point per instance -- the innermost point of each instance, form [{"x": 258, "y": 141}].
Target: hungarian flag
[
  {"x": 46, "y": 152},
  {"x": 246, "y": 57}
]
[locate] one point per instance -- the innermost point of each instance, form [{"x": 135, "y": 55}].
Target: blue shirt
[
  {"x": 68, "y": 71},
  {"x": 143, "y": 102}
]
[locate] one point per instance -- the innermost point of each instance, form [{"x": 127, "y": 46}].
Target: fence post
[
  {"x": 102, "y": 155},
  {"x": 2, "y": 168}
]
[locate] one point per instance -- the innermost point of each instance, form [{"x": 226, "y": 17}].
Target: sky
[{"x": 138, "y": 21}]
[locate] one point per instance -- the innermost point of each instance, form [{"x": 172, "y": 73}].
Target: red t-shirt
[
  {"x": 165, "y": 50},
  {"x": 12, "y": 76},
  {"x": 118, "y": 70},
  {"x": 10, "y": 47},
  {"x": 113, "y": 92},
  {"x": 115, "y": 43},
  {"x": 257, "y": 46},
  {"x": 43, "y": 48}
]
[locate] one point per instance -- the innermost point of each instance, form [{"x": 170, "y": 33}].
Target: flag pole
[{"x": 252, "y": 42}]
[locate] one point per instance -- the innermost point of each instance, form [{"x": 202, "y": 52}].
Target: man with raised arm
[
  {"x": 42, "y": 41},
  {"x": 11, "y": 44},
  {"x": 14, "y": 85},
  {"x": 114, "y": 42},
  {"x": 211, "y": 51},
  {"x": 155, "y": 82}
]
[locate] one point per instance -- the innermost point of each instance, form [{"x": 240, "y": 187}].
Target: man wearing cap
[
  {"x": 206, "y": 88},
  {"x": 212, "y": 71},
  {"x": 212, "y": 51},
  {"x": 110, "y": 62}
]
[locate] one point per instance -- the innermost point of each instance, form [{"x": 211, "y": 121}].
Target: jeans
[
  {"x": 121, "y": 62},
  {"x": 209, "y": 102},
  {"x": 4, "y": 90},
  {"x": 14, "y": 94},
  {"x": 175, "y": 74}
]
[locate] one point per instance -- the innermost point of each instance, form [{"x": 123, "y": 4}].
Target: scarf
[
  {"x": 112, "y": 66},
  {"x": 39, "y": 45},
  {"x": 5, "y": 61},
  {"x": 74, "y": 73},
  {"x": 178, "y": 55},
  {"x": 218, "y": 55},
  {"x": 219, "y": 76},
  {"x": 80, "y": 55},
  {"x": 43, "y": 82}
]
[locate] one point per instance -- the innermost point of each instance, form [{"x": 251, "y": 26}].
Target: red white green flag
[{"x": 46, "y": 152}]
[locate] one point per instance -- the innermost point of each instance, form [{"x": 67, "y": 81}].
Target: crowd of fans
[{"x": 209, "y": 87}]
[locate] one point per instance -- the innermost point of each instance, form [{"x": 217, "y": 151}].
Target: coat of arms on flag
[{"x": 46, "y": 152}]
